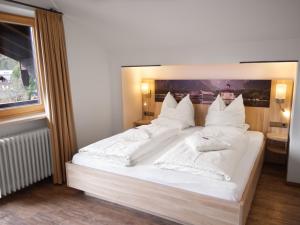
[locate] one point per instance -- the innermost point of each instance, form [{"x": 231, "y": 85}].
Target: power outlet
[
  {"x": 146, "y": 113},
  {"x": 278, "y": 124}
]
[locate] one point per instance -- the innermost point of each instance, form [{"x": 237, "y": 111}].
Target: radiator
[{"x": 24, "y": 160}]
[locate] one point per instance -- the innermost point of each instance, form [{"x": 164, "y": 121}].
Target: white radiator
[{"x": 24, "y": 160}]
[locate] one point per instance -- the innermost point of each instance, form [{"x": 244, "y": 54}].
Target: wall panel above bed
[{"x": 258, "y": 117}]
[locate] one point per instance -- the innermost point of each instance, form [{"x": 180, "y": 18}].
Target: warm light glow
[
  {"x": 145, "y": 88},
  {"x": 280, "y": 91},
  {"x": 286, "y": 114}
]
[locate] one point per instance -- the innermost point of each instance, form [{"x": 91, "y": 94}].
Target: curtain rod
[{"x": 33, "y": 6}]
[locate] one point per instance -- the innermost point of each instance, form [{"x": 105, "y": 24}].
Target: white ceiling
[{"x": 155, "y": 23}]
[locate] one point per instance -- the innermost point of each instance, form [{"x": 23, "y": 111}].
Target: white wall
[
  {"x": 19, "y": 127},
  {"x": 293, "y": 174},
  {"x": 90, "y": 83},
  {"x": 13, "y": 9}
]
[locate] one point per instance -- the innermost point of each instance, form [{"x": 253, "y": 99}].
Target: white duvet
[
  {"x": 129, "y": 147},
  {"x": 214, "y": 164}
]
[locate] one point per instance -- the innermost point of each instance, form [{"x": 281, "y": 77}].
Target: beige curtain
[{"x": 51, "y": 50}]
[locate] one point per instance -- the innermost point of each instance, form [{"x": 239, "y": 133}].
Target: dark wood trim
[
  {"x": 15, "y": 44},
  {"x": 11, "y": 28},
  {"x": 139, "y": 66},
  {"x": 12, "y": 52},
  {"x": 34, "y": 6},
  {"x": 276, "y": 61},
  {"x": 17, "y": 104}
]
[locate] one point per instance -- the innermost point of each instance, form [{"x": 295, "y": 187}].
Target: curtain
[{"x": 51, "y": 50}]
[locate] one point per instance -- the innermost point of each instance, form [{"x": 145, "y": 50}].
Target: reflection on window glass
[{"x": 18, "y": 81}]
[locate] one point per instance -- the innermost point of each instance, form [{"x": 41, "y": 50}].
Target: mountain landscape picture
[{"x": 256, "y": 93}]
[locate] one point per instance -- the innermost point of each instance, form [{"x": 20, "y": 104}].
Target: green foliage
[
  {"x": 16, "y": 91},
  {"x": 7, "y": 63},
  {"x": 32, "y": 88},
  {"x": 16, "y": 74}
]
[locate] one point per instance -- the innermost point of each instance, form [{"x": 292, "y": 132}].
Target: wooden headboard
[{"x": 257, "y": 117}]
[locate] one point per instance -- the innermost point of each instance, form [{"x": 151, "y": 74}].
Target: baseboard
[{"x": 293, "y": 184}]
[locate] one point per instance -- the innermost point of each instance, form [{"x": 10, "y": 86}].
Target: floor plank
[{"x": 275, "y": 203}]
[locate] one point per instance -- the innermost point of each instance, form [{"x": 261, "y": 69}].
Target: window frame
[{"x": 25, "y": 110}]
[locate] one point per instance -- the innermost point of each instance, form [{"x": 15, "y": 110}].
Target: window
[{"x": 19, "y": 81}]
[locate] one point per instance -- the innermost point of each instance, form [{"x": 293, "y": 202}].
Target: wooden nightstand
[
  {"x": 141, "y": 122},
  {"x": 277, "y": 148}
]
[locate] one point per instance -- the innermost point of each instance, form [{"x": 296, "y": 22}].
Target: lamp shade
[
  {"x": 145, "y": 88},
  {"x": 280, "y": 91}
]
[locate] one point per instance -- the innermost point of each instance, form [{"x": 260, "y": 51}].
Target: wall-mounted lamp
[
  {"x": 280, "y": 95},
  {"x": 286, "y": 114},
  {"x": 145, "y": 88},
  {"x": 146, "y": 98}
]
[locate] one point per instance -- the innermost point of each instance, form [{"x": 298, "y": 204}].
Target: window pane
[{"x": 18, "y": 81}]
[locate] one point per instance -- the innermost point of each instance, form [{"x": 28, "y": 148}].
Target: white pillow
[
  {"x": 232, "y": 115},
  {"x": 183, "y": 111},
  {"x": 217, "y": 105},
  {"x": 169, "y": 102}
]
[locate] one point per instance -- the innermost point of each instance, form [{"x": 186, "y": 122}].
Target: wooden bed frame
[{"x": 171, "y": 203}]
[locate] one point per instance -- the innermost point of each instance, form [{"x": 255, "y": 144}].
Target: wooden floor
[{"x": 275, "y": 204}]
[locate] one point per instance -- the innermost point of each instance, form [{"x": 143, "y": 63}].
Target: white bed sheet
[
  {"x": 145, "y": 170},
  {"x": 129, "y": 147}
]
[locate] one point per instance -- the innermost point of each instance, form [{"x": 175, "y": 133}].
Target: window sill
[{"x": 22, "y": 119}]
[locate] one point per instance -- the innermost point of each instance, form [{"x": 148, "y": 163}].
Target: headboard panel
[{"x": 257, "y": 117}]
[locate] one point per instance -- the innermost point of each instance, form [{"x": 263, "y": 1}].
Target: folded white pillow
[
  {"x": 182, "y": 112},
  {"x": 204, "y": 143},
  {"x": 232, "y": 115}
]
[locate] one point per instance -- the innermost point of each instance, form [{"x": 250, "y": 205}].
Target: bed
[
  {"x": 147, "y": 189},
  {"x": 180, "y": 197}
]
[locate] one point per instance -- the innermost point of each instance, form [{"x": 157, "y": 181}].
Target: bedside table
[
  {"x": 141, "y": 122},
  {"x": 277, "y": 148}
]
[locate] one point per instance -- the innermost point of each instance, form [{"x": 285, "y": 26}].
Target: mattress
[{"x": 145, "y": 170}]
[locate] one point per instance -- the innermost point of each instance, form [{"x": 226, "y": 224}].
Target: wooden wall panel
[{"x": 131, "y": 97}]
